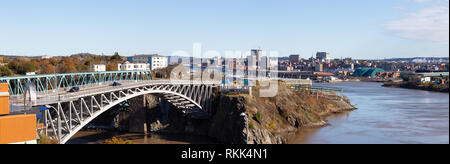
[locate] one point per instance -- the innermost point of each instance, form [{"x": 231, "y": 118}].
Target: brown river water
[{"x": 384, "y": 116}]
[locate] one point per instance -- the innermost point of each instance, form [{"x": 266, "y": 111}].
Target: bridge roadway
[{"x": 63, "y": 95}]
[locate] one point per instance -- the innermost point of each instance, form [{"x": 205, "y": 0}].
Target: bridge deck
[{"x": 62, "y": 95}]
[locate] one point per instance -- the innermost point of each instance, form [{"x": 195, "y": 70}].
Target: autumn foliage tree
[{"x": 70, "y": 64}]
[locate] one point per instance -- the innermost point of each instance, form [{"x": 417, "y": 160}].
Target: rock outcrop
[{"x": 270, "y": 118}]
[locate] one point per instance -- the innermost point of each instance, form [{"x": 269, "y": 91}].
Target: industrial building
[{"x": 367, "y": 72}]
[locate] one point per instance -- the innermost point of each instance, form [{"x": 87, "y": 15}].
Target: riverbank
[
  {"x": 384, "y": 116},
  {"x": 398, "y": 83},
  {"x": 418, "y": 86}
]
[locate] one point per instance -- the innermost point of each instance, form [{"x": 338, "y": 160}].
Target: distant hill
[
  {"x": 420, "y": 59},
  {"x": 83, "y": 55}
]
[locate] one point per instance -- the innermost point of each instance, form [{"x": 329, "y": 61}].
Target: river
[{"x": 384, "y": 116}]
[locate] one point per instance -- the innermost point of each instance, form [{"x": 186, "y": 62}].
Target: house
[
  {"x": 98, "y": 68},
  {"x": 425, "y": 79},
  {"x": 127, "y": 66}
]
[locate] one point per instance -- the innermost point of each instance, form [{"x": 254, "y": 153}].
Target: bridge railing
[
  {"x": 322, "y": 92},
  {"x": 54, "y": 82},
  {"x": 45, "y": 98}
]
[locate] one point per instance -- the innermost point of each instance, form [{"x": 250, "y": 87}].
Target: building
[
  {"x": 98, "y": 68},
  {"x": 367, "y": 72},
  {"x": 257, "y": 53},
  {"x": 215, "y": 61},
  {"x": 319, "y": 67},
  {"x": 15, "y": 128},
  {"x": 265, "y": 62},
  {"x": 388, "y": 74},
  {"x": 155, "y": 61},
  {"x": 158, "y": 62},
  {"x": 425, "y": 79},
  {"x": 30, "y": 73},
  {"x": 127, "y": 66},
  {"x": 254, "y": 58},
  {"x": 296, "y": 58},
  {"x": 323, "y": 56},
  {"x": 46, "y": 57}
]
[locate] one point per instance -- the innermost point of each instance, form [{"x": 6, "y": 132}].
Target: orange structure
[
  {"x": 15, "y": 128},
  {"x": 4, "y": 99},
  {"x": 18, "y": 129}
]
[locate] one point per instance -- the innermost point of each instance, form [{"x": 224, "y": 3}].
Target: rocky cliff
[
  {"x": 267, "y": 119},
  {"x": 270, "y": 118}
]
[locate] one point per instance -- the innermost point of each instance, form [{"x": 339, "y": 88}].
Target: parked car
[
  {"x": 115, "y": 84},
  {"x": 74, "y": 89}
]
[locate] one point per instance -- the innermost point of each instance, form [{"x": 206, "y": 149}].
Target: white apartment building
[
  {"x": 98, "y": 68},
  {"x": 46, "y": 57},
  {"x": 323, "y": 56},
  {"x": 127, "y": 66},
  {"x": 155, "y": 61}
]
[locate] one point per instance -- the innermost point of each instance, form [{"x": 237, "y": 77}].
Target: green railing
[
  {"x": 48, "y": 82},
  {"x": 323, "y": 92}
]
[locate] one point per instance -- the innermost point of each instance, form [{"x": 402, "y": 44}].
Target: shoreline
[
  {"x": 293, "y": 136},
  {"x": 402, "y": 85},
  {"x": 415, "y": 87}
]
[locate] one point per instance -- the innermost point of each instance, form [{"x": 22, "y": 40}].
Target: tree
[
  {"x": 47, "y": 68},
  {"x": 67, "y": 65},
  {"x": 5, "y": 71},
  {"x": 29, "y": 67},
  {"x": 116, "y": 57},
  {"x": 111, "y": 67}
]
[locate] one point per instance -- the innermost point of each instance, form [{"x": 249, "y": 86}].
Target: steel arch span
[{"x": 65, "y": 118}]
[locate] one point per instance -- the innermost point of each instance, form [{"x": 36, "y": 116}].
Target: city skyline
[{"x": 369, "y": 30}]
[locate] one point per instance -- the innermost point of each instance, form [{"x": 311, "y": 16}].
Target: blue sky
[{"x": 345, "y": 28}]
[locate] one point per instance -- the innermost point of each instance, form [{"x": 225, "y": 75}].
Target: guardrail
[
  {"x": 50, "y": 82},
  {"x": 331, "y": 93},
  {"x": 62, "y": 95}
]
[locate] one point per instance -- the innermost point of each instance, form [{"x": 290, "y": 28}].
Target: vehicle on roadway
[
  {"x": 115, "y": 84},
  {"x": 74, "y": 89}
]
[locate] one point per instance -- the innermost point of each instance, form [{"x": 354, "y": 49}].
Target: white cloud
[{"x": 427, "y": 24}]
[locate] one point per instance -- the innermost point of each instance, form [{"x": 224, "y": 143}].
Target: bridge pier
[{"x": 138, "y": 115}]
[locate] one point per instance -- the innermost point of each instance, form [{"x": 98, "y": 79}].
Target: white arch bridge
[{"x": 68, "y": 113}]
